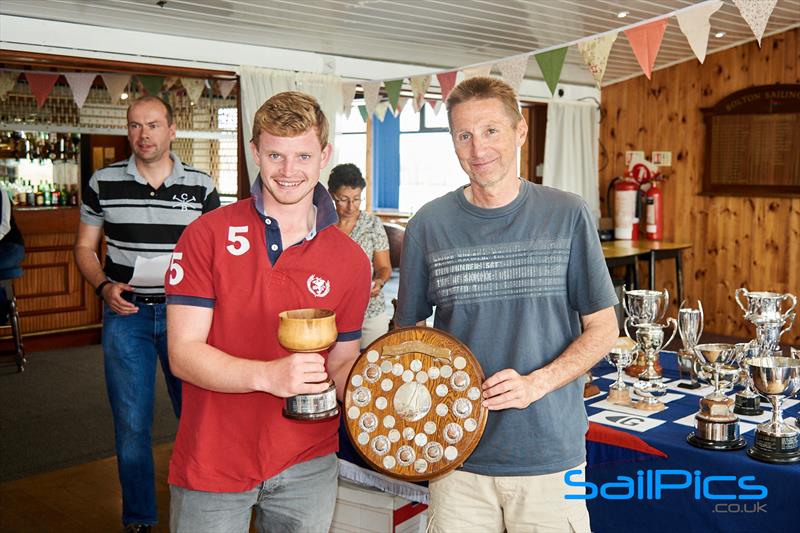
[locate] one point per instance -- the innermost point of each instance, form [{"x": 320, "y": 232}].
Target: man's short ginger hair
[
  {"x": 290, "y": 114},
  {"x": 484, "y": 88}
]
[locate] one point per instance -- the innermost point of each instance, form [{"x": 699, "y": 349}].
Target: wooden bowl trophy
[
  {"x": 309, "y": 330},
  {"x": 413, "y": 404}
]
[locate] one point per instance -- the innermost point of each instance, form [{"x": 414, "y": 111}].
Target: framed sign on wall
[{"x": 753, "y": 143}]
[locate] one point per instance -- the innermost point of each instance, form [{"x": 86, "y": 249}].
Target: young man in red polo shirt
[{"x": 230, "y": 276}]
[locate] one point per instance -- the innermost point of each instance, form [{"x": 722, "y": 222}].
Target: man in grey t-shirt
[{"x": 516, "y": 272}]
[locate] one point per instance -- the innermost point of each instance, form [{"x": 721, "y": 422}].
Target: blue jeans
[
  {"x": 301, "y": 499},
  {"x": 131, "y": 346}
]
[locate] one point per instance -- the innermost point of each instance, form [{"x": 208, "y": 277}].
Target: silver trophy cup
[
  {"x": 690, "y": 327},
  {"x": 776, "y": 378},
  {"x": 645, "y": 306},
  {"x": 764, "y": 306},
  {"x": 650, "y": 386},
  {"x": 620, "y": 357},
  {"x": 716, "y": 426},
  {"x": 768, "y": 333},
  {"x": 747, "y": 402}
]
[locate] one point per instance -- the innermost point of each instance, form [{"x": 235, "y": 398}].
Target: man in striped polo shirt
[{"x": 142, "y": 205}]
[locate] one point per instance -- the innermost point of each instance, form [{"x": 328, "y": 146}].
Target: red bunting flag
[
  {"x": 645, "y": 41},
  {"x": 447, "y": 80},
  {"x": 41, "y": 85}
]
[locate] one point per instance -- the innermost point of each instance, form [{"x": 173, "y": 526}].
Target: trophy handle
[
  {"x": 702, "y": 319},
  {"x": 625, "y": 300},
  {"x": 625, "y": 325},
  {"x": 792, "y": 298},
  {"x": 791, "y": 318},
  {"x": 674, "y": 331},
  {"x": 737, "y": 294},
  {"x": 666, "y": 306}
]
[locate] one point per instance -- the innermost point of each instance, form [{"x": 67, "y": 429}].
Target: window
[
  {"x": 227, "y": 186},
  {"x": 350, "y": 144}
]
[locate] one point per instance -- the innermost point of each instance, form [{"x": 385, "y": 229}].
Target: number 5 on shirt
[
  {"x": 175, "y": 270},
  {"x": 240, "y": 244}
]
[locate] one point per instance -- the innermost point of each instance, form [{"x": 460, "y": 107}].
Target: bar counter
[{"x": 57, "y": 307}]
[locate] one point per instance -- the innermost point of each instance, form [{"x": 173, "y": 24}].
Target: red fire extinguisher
[
  {"x": 626, "y": 208},
  {"x": 654, "y": 212}
]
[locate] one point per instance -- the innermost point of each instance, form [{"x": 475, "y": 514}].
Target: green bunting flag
[
  {"x": 151, "y": 84},
  {"x": 363, "y": 110},
  {"x": 393, "y": 91},
  {"x": 550, "y": 64}
]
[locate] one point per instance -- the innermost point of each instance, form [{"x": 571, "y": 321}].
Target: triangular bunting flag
[
  {"x": 170, "y": 81},
  {"x": 371, "y": 89},
  {"x": 645, "y": 41},
  {"x": 194, "y": 88},
  {"x": 41, "y": 84},
  {"x": 551, "y": 63},
  {"x": 80, "y": 83},
  {"x": 401, "y": 104},
  {"x": 393, "y": 91},
  {"x": 480, "y": 70},
  {"x": 695, "y": 25},
  {"x": 419, "y": 86},
  {"x": 115, "y": 84},
  {"x": 595, "y": 54},
  {"x": 447, "y": 80},
  {"x": 756, "y": 13},
  {"x": 348, "y": 93},
  {"x": 380, "y": 110},
  {"x": 225, "y": 87},
  {"x": 362, "y": 110},
  {"x": 8, "y": 80},
  {"x": 513, "y": 70},
  {"x": 151, "y": 84}
]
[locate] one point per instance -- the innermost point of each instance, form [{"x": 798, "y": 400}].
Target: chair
[
  {"x": 7, "y": 277},
  {"x": 395, "y": 234}
]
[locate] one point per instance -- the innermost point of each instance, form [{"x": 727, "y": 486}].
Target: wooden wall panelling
[{"x": 738, "y": 241}]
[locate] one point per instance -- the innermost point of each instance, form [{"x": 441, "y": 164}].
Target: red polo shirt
[{"x": 232, "y": 260}]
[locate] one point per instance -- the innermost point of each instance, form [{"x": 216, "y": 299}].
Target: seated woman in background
[{"x": 345, "y": 185}]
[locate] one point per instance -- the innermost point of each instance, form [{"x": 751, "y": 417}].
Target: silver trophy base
[
  {"x": 777, "y": 449},
  {"x": 747, "y": 405},
  {"x": 313, "y": 407},
  {"x": 716, "y": 445}
]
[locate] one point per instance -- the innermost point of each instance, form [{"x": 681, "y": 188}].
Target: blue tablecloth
[{"x": 679, "y": 510}]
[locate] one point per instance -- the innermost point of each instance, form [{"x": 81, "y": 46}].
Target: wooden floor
[{"x": 79, "y": 499}]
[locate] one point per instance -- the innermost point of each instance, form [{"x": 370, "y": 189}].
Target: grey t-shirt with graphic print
[{"x": 511, "y": 283}]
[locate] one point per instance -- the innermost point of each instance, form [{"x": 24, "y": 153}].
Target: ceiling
[{"x": 442, "y": 34}]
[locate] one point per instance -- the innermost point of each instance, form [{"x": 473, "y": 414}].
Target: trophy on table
[
  {"x": 644, "y": 307},
  {"x": 766, "y": 311},
  {"x": 747, "y": 401},
  {"x": 716, "y": 426},
  {"x": 776, "y": 378},
  {"x": 650, "y": 385},
  {"x": 620, "y": 356},
  {"x": 309, "y": 330},
  {"x": 690, "y": 327}
]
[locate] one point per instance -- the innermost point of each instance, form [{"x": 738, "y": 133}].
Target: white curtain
[
  {"x": 259, "y": 84},
  {"x": 570, "y": 151}
]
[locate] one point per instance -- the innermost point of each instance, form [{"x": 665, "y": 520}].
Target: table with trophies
[{"x": 714, "y": 412}]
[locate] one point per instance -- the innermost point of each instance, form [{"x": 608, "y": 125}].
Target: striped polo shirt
[{"x": 140, "y": 221}]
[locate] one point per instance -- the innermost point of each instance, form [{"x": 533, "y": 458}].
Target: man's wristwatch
[{"x": 99, "y": 290}]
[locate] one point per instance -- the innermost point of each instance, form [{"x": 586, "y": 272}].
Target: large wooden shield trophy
[{"x": 412, "y": 404}]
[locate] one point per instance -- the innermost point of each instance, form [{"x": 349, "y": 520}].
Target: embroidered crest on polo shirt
[
  {"x": 184, "y": 201},
  {"x": 317, "y": 286}
]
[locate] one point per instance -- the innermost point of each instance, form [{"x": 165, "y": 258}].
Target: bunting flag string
[
  {"x": 551, "y": 63},
  {"x": 41, "y": 84},
  {"x": 696, "y": 26},
  {"x": 115, "y": 84},
  {"x": 80, "y": 83},
  {"x": 646, "y": 41},
  {"x": 595, "y": 54},
  {"x": 756, "y": 13},
  {"x": 8, "y": 80}
]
